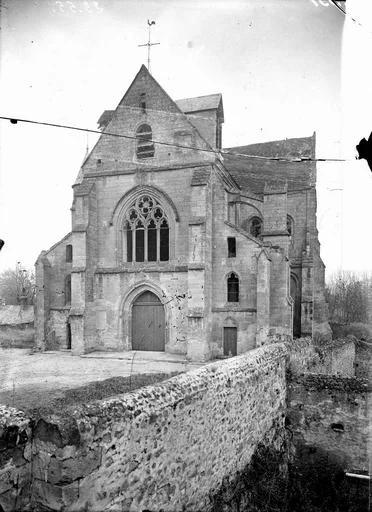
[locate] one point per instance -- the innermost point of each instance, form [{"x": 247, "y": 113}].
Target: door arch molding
[{"x": 125, "y": 311}]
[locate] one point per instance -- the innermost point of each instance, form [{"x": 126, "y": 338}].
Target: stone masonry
[{"x": 234, "y": 264}]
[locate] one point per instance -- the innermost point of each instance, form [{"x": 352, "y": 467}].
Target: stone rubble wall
[
  {"x": 15, "y": 459},
  {"x": 336, "y": 357},
  {"x": 330, "y": 413},
  {"x": 171, "y": 445},
  {"x": 166, "y": 446},
  {"x": 17, "y": 326}
]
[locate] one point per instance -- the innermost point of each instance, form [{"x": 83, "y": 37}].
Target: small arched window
[
  {"x": 69, "y": 253},
  {"x": 68, "y": 290},
  {"x": 290, "y": 225},
  {"x": 146, "y": 230},
  {"x": 233, "y": 288},
  {"x": 145, "y": 146},
  {"x": 255, "y": 226}
]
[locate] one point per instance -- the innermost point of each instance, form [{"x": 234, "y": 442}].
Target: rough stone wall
[
  {"x": 15, "y": 457},
  {"x": 17, "y": 326},
  {"x": 335, "y": 358},
  {"x": 20, "y": 336},
  {"x": 363, "y": 359},
  {"x": 57, "y": 328},
  {"x": 165, "y": 446},
  {"x": 330, "y": 413},
  {"x": 51, "y": 270}
]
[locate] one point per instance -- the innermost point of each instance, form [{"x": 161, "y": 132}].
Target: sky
[{"x": 285, "y": 68}]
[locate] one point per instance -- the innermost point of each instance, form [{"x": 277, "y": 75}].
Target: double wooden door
[{"x": 148, "y": 323}]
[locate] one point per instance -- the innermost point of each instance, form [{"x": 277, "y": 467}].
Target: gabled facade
[{"x": 178, "y": 247}]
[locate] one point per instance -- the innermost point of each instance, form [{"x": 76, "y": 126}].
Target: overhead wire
[
  {"x": 334, "y": 2},
  {"x": 15, "y": 120}
]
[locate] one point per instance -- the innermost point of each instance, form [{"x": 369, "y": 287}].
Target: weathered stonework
[
  {"x": 15, "y": 459},
  {"x": 206, "y": 197},
  {"x": 176, "y": 445},
  {"x": 17, "y": 326},
  {"x": 165, "y": 446},
  {"x": 331, "y": 413}
]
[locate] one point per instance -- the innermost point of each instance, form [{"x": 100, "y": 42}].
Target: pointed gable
[{"x": 146, "y": 118}]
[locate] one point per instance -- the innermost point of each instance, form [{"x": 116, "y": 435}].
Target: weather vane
[{"x": 149, "y": 43}]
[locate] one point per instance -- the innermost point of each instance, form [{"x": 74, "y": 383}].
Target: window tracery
[{"x": 147, "y": 231}]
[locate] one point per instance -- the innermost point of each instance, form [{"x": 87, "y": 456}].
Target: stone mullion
[
  {"x": 133, "y": 243},
  {"x": 146, "y": 241},
  {"x": 157, "y": 243}
]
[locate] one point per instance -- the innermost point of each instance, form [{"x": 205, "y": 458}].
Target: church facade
[{"x": 179, "y": 246}]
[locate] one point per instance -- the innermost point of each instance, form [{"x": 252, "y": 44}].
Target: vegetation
[
  {"x": 349, "y": 296},
  {"x": 17, "y": 286}
]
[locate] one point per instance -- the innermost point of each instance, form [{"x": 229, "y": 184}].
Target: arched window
[
  {"x": 68, "y": 253},
  {"x": 146, "y": 231},
  {"x": 145, "y": 146},
  {"x": 68, "y": 290},
  {"x": 255, "y": 226},
  {"x": 233, "y": 288},
  {"x": 289, "y": 225}
]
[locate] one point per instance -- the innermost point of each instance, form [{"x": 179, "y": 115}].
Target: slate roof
[
  {"x": 252, "y": 173},
  {"x": 209, "y": 102}
]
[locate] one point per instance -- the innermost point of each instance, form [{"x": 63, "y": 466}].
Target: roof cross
[{"x": 149, "y": 43}]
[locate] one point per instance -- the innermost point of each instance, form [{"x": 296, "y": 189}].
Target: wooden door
[
  {"x": 148, "y": 323},
  {"x": 230, "y": 337}
]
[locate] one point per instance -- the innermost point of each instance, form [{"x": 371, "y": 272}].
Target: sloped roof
[
  {"x": 105, "y": 118},
  {"x": 15, "y": 315},
  {"x": 252, "y": 173},
  {"x": 209, "y": 102}
]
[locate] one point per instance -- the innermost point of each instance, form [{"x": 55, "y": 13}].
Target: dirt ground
[{"x": 29, "y": 380}]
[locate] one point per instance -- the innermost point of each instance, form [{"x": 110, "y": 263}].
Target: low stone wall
[
  {"x": 330, "y": 413},
  {"x": 336, "y": 357},
  {"x": 167, "y": 446},
  {"x": 363, "y": 359},
  {"x": 15, "y": 459},
  {"x": 17, "y": 326}
]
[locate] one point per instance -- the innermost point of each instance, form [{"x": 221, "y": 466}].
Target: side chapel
[{"x": 176, "y": 246}]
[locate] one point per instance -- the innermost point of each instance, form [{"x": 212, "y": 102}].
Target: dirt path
[{"x": 28, "y": 380}]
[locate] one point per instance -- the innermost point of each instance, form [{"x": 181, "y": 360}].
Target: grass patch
[{"x": 98, "y": 390}]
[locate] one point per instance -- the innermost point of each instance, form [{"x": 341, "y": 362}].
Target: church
[{"x": 178, "y": 245}]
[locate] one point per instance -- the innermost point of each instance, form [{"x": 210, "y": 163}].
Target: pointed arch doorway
[{"x": 148, "y": 323}]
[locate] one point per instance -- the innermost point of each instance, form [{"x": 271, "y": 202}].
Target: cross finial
[{"x": 149, "y": 43}]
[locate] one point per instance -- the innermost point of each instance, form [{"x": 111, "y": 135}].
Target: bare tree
[
  {"x": 348, "y": 295},
  {"x": 17, "y": 286}
]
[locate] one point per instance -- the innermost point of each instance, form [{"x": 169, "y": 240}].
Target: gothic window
[
  {"x": 233, "y": 288},
  {"x": 255, "y": 226},
  {"x": 146, "y": 231},
  {"x": 68, "y": 253},
  {"x": 289, "y": 225},
  {"x": 68, "y": 290},
  {"x": 145, "y": 146}
]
